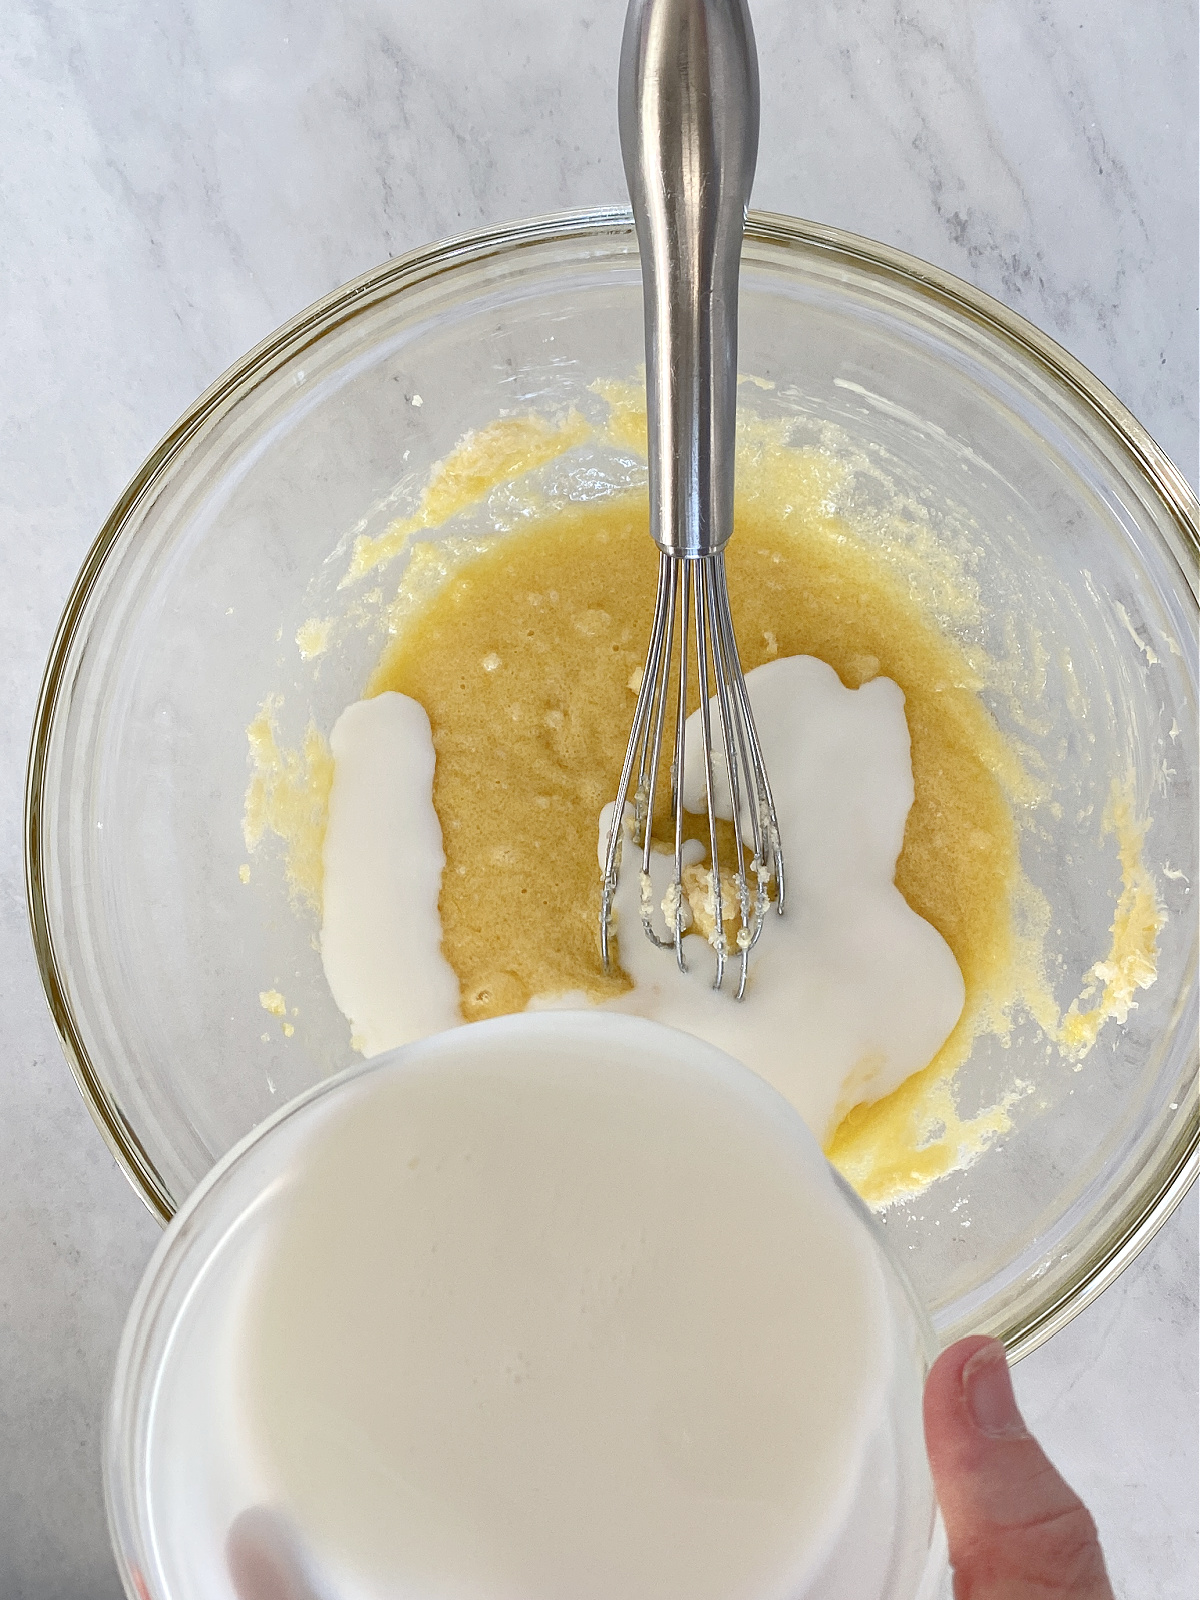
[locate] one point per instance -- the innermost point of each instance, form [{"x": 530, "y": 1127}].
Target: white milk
[
  {"x": 850, "y": 991},
  {"x": 381, "y": 936},
  {"x": 571, "y": 1308}
]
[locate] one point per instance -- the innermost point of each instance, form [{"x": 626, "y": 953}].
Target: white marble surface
[{"x": 177, "y": 179}]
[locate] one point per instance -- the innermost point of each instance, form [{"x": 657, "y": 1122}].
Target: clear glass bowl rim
[{"x": 1131, "y": 1225}]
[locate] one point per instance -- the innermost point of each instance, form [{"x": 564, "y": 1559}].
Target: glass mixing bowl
[
  {"x": 179, "y": 1470},
  {"x": 1080, "y": 539}
]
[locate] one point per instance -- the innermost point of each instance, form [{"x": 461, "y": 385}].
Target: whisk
[{"x": 688, "y": 108}]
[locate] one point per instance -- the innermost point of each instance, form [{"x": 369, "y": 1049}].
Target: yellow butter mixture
[
  {"x": 526, "y": 653},
  {"x": 525, "y": 664}
]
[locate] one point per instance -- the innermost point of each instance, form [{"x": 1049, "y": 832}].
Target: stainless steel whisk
[{"x": 688, "y": 108}]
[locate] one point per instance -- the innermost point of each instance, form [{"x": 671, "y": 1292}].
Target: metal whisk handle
[{"x": 688, "y": 112}]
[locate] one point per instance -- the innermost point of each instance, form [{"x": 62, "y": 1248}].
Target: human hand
[{"x": 1016, "y": 1530}]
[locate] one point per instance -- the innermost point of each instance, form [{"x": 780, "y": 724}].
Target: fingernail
[{"x": 989, "y": 1393}]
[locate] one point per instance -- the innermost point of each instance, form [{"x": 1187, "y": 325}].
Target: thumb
[
  {"x": 1016, "y": 1530},
  {"x": 265, "y": 1558}
]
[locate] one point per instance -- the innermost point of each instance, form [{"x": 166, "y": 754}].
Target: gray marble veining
[{"x": 175, "y": 181}]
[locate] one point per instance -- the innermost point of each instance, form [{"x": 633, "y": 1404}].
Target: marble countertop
[{"x": 177, "y": 180}]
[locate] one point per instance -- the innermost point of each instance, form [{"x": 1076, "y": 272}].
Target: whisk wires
[{"x": 692, "y": 618}]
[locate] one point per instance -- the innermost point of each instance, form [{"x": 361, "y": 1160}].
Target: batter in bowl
[
  {"x": 526, "y": 664},
  {"x": 525, "y": 659},
  {"x": 851, "y": 991}
]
